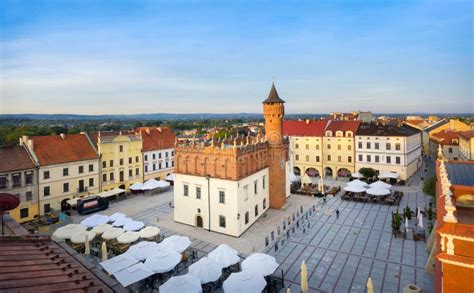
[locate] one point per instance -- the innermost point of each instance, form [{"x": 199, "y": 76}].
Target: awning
[{"x": 388, "y": 175}]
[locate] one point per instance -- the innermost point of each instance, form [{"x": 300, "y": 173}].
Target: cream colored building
[
  {"x": 466, "y": 145},
  {"x": 157, "y": 151},
  {"x": 68, "y": 168},
  {"x": 120, "y": 159},
  {"x": 386, "y": 148}
]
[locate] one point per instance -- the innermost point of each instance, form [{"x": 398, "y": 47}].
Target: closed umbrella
[
  {"x": 128, "y": 237},
  {"x": 378, "y": 191},
  {"x": 357, "y": 182},
  {"x": 112, "y": 233},
  {"x": 380, "y": 184},
  {"x": 133, "y": 226},
  {"x": 224, "y": 255},
  {"x": 304, "y": 278},
  {"x": 81, "y": 237},
  {"x": 149, "y": 232},
  {"x": 162, "y": 261},
  {"x": 260, "y": 263},
  {"x": 183, "y": 284},
  {"x": 420, "y": 220},
  {"x": 244, "y": 282},
  {"x": 101, "y": 228},
  {"x": 355, "y": 188},
  {"x": 406, "y": 225},
  {"x": 95, "y": 220},
  {"x": 87, "y": 247},
  {"x": 206, "y": 270},
  {"x": 370, "y": 286},
  {"x": 104, "y": 251},
  {"x": 176, "y": 243},
  {"x": 321, "y": 184},
  {"x": 143, "y": 249}
]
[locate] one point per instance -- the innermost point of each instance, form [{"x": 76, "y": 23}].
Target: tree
[
  {"x": 367, "y": 172},
  {"x": 429, "y": 186}
]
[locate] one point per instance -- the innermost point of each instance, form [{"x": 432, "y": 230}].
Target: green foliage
[
  {"x": 367, "y": 172},
  {"x": 407, "y": 212},
  {"x": 429, "y": 186},
  {"x": 396, "y": 221}
]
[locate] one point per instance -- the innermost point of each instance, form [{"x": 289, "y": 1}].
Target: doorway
[{"x": 199, "y": 221}]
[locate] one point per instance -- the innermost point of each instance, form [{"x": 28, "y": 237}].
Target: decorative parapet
[{"x": 446, "y": 192}]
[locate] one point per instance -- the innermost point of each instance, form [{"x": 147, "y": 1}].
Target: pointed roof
[{"x": 273, "y": 96}]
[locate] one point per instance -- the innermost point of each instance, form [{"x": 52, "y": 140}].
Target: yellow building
[
  {"x": 18, "y": 176},
  {"x": 339, "y": 148},
  {"x": 120, "y": 158},
  {"x": 451, "y": 124},
  {"x": 306, "y": 144},
  {"x": 466, "y": 145}
]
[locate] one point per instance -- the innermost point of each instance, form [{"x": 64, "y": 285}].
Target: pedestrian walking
[{"x": 337, "y": 214}]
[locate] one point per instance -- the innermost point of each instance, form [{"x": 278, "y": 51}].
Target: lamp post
[{"x": 208, "y": 178}]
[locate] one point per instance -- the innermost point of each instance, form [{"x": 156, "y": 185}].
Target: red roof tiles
[
  {"x": 458, "y": 229},
  {"x": 447, "y": 137},
  {"x": 55, "y": 149},
  {"x": 14, "y": 159},
  {"x": 304, "y": 128},
  {"x": 467, "y": 134},
  {"x": 343, "y": 126},
  {"x": 157, "y": 138}
]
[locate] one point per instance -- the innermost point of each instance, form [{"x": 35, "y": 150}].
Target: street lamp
[{"x": 208, "y": 178}]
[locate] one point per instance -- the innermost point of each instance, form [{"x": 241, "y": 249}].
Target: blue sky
[{"x": 106, "y": 57}]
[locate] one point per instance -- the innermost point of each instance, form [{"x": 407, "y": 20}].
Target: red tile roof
[
  {"x": 447, "y": 137},
  {"x": 416, "y": 122},
  {"x": 458, "y": 229},
  {"x": 343, "y": 126},
  {"x": 54, "y": 149},
  {"x": 304, "y": 128},
  {"x": 455, "y": 258},
  {"x": 467, "y": 134},
  {"x": 14, "y": 159},
  {"x": 157, "y": 138}
]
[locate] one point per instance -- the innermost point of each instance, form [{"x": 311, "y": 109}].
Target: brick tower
[{"x": 274, "y": 111}]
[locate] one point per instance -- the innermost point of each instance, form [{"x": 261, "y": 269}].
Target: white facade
[
  {"x": 234, "y": 205},
  {"x": 401, "y": 154},
  {"x": 158, "y": 163}
]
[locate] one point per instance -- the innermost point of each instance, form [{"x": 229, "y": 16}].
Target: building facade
[
  {"x": 157, "y": 152},
  {"x": 120, "y": 158},
  {"x": 19, "y": 176},
  {"x": 387, "y": 148},
  {"x": 68, "y": 168},
  {"x": 466, "y": 145},
  {"x": 306, "y": 141},
  {"x": 448, "y": 140},
  {"x": 454, "y": 247},
  {"x": 225, "y": 185},
  {"x": 338, "y": 148}
]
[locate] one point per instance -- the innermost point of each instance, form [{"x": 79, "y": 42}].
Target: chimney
[
  {"x": 307, "y": 121},
  {"x": 160, "y": 129},
  {"x": 63, "y": 136},
  {"x": 147, "y": 130}
]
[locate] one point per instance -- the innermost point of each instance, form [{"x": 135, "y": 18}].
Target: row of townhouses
[
  {"x": 340, "y": 148},
  {"x": 46, "y": 171}
]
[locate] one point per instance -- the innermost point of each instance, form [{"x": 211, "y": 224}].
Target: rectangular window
[
  {"x": 328, "y": 146},
  {"x": 450, "y": 150},
  {"x": 221, "y": 196},
  {"x": 256, "y": 210},
  {"x": 307, "y": 158},
  {"x": 3, "y": 182},
  {"x": 29, "y": 177},
  {"x": 46, "y": 191},
  {"x": 111, "y": 176},
  {"x": 159, "y": 165},
  {"x": 297, "y": 157},
  {"x": 389, "y": 160},
  {"x": 255, "y": 187},
  {"x": 153, "y": 156},
  {"x": 146, "y": 158},
  {"x": 297, "y": 146},
  {"x": 137, "y": 159},
  {"x": 46, "y": 175},
  {"x": 154, "y": 166},
  {"x": 247, "y": 217},
  {"x": 198, "y": 192},
  {"x": 65, "y": 187},
  {"x": 81, "y": 169},
  {"x": 317, "y": 147},
  {"x": 130, "y": 173},
  {"x": 81, "y": 186},
  {"x": 339, "y": 147},
  {"x": 360, "y": 144},
  {"x": 376, "y": 159},
  {"x": 104, "y": 177},
  {"x": 47, "y": 208},
  {"x": 29, "y": 195},
  {"x": 91, "y": 167},
  {"x": 146, "y": 168},
  {"x": 264, "y": 203},
  {"x": 104, "y": 164},
  {"x": 263, "y": 182},
  {"x": 91, "y": 181},
  {"x": 121, "y": 148},
  {"x": 130, "y": 160},
  {"x": 376, "y": 145},
  {"x": 388, "y": 146},
  {"x": 368, "y": 158},
  {"x": 172, "y": 153},
  {"x": 137, "y": 171},
  {"x": 166, "y": 154},
  {"x": 397, "y": 160},
  {"x": 65, "y": 171},
  {"x": 222, "y": 221},
  {"x": 111, "y": 163},
  {"x": 16, "y": 179},
  {"x": 368, "y": 145},
  {"x": 339, "y": 159},
  {"x": 307, "y": 146},
  {"x": 360, "y": 158},
  {"x": 397, "y": 146},
  {"x": 185, "y": 190},
  {"x": 349, "y": 159},
  {"x": 317, "y": 159},
  {"x": 159, "y": 155},
  {"x": 24, "y": 213},
  {"x": 121, "y": 162},
  {"x": 349, "y": 148},
  {"x": 329, "y": 157}
]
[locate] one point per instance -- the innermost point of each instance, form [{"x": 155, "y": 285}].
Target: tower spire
[{"x": 273, "y": 96}]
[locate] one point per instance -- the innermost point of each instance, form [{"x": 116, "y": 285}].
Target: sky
[{"x": 221, "y": 56}]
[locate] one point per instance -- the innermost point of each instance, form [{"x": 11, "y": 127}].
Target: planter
[{"x": 411, "y": 288}]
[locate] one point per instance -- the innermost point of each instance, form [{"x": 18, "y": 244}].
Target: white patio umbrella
[
  {"x": 112, "y": 233},
  {"x": 170, "y": 177},
  {"x": 183, "y": 284},
  {"x": 355, "y": 188},
  {"x": 378, "y": 191},
  {"x": 143, "y": 249},
  {"x": 321, "y": 184},
  {"x": 406, "y": 224},
  {"x": 162, "y": 261},
  {"x": 133, "y": 226},
  {"x": 176, "y": 243},
  {"x": 224, "y": 255},
  {"x": 163, "y": 184},
  {"x": 67, "y": 231},
  {"x": 293, "y": 177},
  {"x": 132, "y": 274},
  {"x": 206, "y": 270},
  {"x": 260, "y": 263},
  {"x": 118, "y": 263},
  {"x": 151, "y": 184},
  {"x": 305, "y": 179},
  {"x": 357, "y": 182},
  {"x": 380, "y": 184},
  {"x": 101, "y": 228},
  {"x": 149, "y": 232},
  {"x": 357, "y": 175},
  {"x": 114, "y": 217},
  {"x": 136, "y": 186},
  {"x": 95, "y": 220},
  {"x": 420, "y": 220},
  {"x": 244, "y": 282},
  {"x": 82, "y": 237},
  {"x": 122, "y": 222},
  {"x": 128, "y": 237},
  {"x": 388, "y": 175}
]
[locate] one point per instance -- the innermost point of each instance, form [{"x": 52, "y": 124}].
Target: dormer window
[
  {"x": 339, "y": 133},
  {"x": 328, "y": 133},
  {"x": 349, "y": 134}
]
